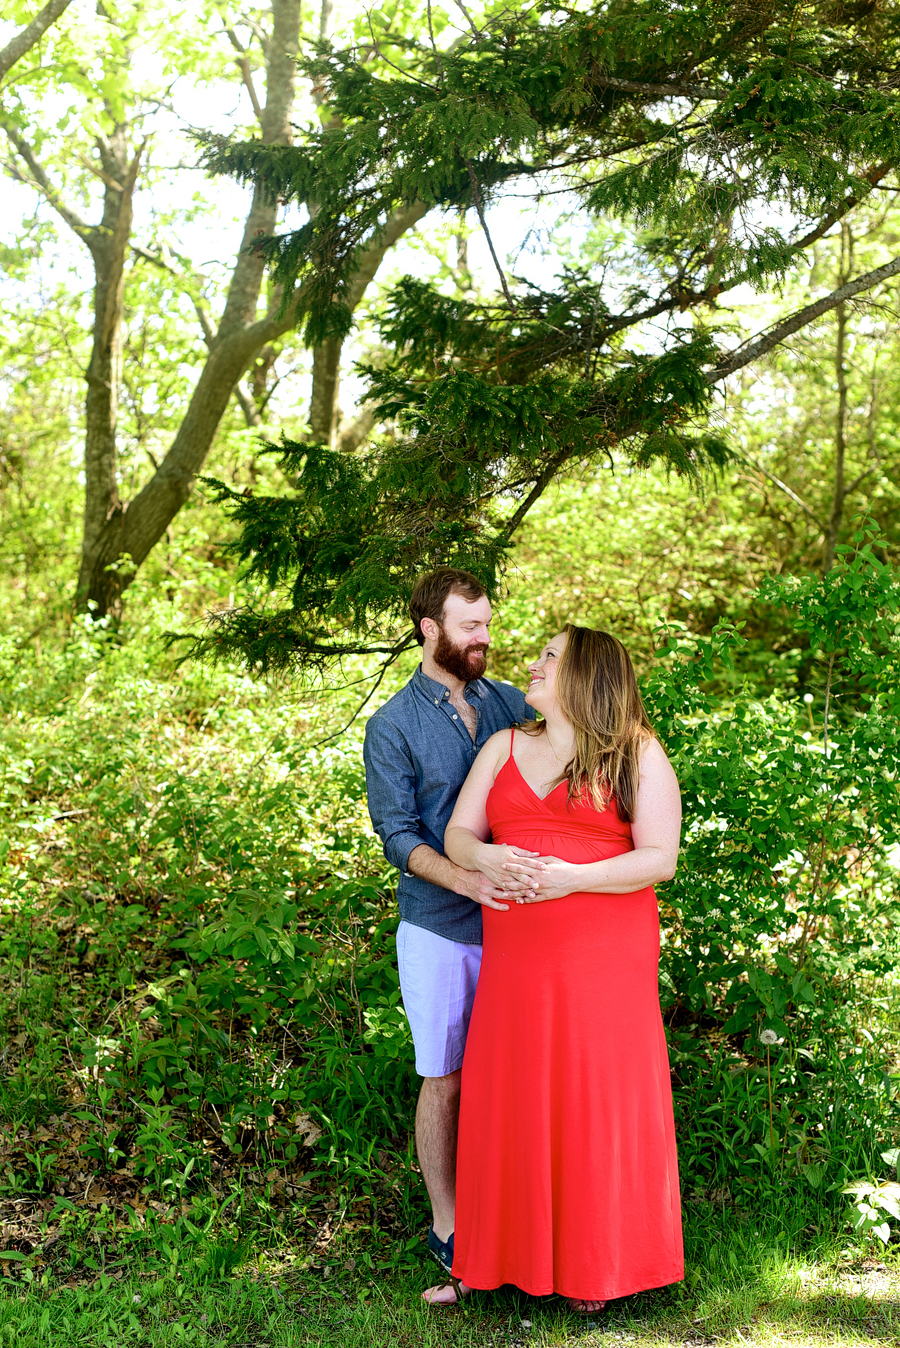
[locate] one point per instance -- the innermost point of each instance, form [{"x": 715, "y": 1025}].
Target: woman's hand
[
  {"x": 508, "y": 867},
  {"x": 555, "y": 881}
]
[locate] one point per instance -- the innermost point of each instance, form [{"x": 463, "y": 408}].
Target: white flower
[{"x": 768, "y": 1037}]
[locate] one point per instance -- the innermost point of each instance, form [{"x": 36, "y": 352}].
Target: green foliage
[
  {"x": 201, "y": 939},
  {"x": 786, "y": 113},
  {"x": 787, "y": 895},
  {"x": 717, "y": 140}
]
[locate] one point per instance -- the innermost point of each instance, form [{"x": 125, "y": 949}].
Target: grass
[{"x": 746, "y": 1283}]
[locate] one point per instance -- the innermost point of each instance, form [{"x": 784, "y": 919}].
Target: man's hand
[
  {"x": 430, "y": 865},
  {"x": 482, "y": 890}
]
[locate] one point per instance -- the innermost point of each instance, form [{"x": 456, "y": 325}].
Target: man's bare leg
[{"x": 437, "y": 1120}]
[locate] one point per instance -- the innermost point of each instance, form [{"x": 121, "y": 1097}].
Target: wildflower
[{"x": 768, "y": 1037}]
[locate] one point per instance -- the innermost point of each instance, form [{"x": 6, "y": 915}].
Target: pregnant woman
[{"x": 567, "y": 1176}]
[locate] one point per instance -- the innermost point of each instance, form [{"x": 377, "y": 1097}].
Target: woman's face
[{"x": 542, "y": 689}]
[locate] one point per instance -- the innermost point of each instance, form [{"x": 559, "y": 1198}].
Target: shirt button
[
  {"x": 435, "y": 701},
  {"x": 455, "y": 717}
]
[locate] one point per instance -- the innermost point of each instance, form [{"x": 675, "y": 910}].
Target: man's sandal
[{"x": 441, "y": 1249}]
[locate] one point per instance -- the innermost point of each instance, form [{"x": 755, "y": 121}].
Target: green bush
[{"x": 200, "y": 944}]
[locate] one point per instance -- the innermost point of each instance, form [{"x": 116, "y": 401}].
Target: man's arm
[
  {"x": 428, "y": 864},
  {"x": 391, "y": 795}
]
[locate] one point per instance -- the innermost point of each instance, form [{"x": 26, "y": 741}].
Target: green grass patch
[{"x": 746, "y": 1282}]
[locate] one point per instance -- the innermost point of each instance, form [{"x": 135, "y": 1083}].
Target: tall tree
[
  {"x": 725, "y": 138},
  {"x": 119, "y": 533}
]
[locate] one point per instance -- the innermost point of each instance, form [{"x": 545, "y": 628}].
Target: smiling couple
[{"x": 544, "y": 1127}]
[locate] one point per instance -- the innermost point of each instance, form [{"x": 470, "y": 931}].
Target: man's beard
[{"x": 463, "y": 662}]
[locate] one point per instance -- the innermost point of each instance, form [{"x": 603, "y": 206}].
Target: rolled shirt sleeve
[{"x": 391, "y": 791}]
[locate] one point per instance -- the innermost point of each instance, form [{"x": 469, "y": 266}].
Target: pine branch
[
  {"x": 873, "y": 177},
  {"x": 658, "y": 90}
]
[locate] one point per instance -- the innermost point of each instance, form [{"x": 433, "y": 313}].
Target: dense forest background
[{"x": 199, "y": 1005}]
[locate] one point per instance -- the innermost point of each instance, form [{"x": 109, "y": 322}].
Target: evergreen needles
[{"x": 728, "y": 137}]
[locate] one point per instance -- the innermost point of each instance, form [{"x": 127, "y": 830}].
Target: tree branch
[
  {"x": 660, "y": 90},
  {"x": 43, "y": 184},
  {"x": 873, "y": 177},
  {"x": 272, "y": 326},
  {"x": 766, "y": 342},
  {"x": 248, "y": 407},
  {"x": 687, "y": 299},
  {"x": 783, "y": 486},
  {"x": 246, "y": 74},
  {"x": 31, "y": 34}
]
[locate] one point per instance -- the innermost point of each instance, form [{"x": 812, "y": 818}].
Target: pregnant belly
[
  {"x": 565, "y": 933},
  {"x": 580, "y": 849}
]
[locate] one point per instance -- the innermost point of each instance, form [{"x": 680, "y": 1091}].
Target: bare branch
[
  {"x": 858, "y": 481},
  {"x": 468, "y": 17},
  {"x": 767, "y": 342},
  {"x": 245, "y": 402},
  {"x": 31, "y": 34},
  {"x": 661, "y": 90},
  {"x": 246, "y": 74},
  {"x": 783, "y": 486},
  {"x": 476, "y": 197},
  {"x": 402, "y": 645},
  {"x": 105, "y": 178}
]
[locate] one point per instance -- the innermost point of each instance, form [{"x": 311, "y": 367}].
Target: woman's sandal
[
  {"x": 458, "y": 1289},
  {"x": 585, "y": 1305}
]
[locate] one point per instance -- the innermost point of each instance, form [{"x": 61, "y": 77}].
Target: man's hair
[{"x": 432, "y": 590}]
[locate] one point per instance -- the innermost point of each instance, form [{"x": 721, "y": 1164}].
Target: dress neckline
[{"x": 528, "y": 785}]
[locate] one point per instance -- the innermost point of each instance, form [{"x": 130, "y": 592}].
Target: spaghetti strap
[{"x": 512, "y": 734}]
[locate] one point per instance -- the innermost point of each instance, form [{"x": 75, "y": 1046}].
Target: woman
[{"x": 567, "y": 1177}]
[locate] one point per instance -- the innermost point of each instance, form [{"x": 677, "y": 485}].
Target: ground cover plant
[{"x": 204, "y": 1054}]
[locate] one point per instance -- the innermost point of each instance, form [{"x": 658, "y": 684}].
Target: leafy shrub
[
  {"x": 203, "y": 934},
  {"x": 781, "y": 922}
]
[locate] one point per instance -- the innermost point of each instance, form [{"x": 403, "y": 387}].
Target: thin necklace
[{"x": 555, "y": 754}]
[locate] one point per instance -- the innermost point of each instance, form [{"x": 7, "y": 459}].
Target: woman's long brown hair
[{"x": 598, "y": 694}]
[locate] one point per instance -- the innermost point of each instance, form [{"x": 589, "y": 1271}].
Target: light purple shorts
[{"x": 437, "y": 979}]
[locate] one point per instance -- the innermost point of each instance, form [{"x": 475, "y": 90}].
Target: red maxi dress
[{"x": 567, "y": 1175}]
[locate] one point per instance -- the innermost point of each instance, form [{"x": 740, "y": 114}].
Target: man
[{"x": 419, "y": 748}]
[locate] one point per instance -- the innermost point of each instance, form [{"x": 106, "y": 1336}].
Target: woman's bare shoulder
[
  {"x": 496, "y": 746},
  {"x": 654, "y": 758}
]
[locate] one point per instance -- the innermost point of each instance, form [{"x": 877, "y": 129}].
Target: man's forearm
[{"x": 428, "y": 864}]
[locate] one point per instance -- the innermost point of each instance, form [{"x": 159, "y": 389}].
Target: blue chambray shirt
[{"x": 418, "y": 754}]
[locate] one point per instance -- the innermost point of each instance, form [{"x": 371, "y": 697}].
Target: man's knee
[{"x": 443, "y": 1087}]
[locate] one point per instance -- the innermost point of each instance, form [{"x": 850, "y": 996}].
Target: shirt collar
[{"x": 439, "y": 692}]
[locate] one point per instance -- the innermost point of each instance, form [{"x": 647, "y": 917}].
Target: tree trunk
[
  {"x": 326, "y": 376},
  {"x": 119, "y": 535},
  {"x": 135, "y": 527},
  {"x": 839, "y": 493},
  {"x": 141, "y": 524},
  {"x": 324, "y": 419},
  {"x": 108, "y": 246}
]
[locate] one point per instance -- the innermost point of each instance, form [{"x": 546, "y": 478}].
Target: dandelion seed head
[{"x": 768, "y": 1037}]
